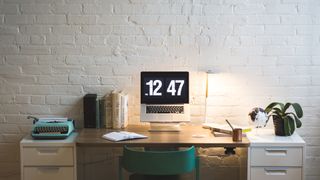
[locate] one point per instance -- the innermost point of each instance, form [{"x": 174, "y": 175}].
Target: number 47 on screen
[{"x": 155, "y": 86}]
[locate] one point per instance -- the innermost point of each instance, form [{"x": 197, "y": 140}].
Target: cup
[{"x": 237, "y": 134}]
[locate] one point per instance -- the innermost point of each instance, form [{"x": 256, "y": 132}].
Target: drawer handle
[
  {"x": 47, "y": 150},
  {"x": 48, "y": 169},
  {"x": 276, "y": 152},
  {"x": 275, "y": 172}
]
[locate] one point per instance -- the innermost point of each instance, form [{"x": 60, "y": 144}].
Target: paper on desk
[
  {"x": 122, "y": 135},
  {"x": 224, "y": 128}
]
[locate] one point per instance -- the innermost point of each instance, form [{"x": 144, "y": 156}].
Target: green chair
[{"x": 147, "y": 164}]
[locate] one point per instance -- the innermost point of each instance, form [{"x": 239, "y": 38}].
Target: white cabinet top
[
  {"x": 29, "y": 141},
  {"x": 266, "y": 137}
]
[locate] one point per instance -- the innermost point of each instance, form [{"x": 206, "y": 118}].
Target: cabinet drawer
[
  {"x": 48, "y": 173},
  {"x": 275, "y": 156},
  {"x": 276, "y": 173},
  {"x": 52, "y": 156}
]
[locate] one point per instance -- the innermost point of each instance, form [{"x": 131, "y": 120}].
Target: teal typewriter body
[{"x": 52, "y": 128}]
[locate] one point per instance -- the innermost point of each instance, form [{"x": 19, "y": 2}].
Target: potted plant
[{"x": 285, "y": 122}]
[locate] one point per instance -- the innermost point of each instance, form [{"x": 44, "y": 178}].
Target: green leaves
[
  {"x": 291, "y": 125},
  {"x": 291, "y": 119},
  {"x": 270, "y": 107},
  {"x": 286, "y": 126},
  {"x": 298, "y": 109},
  {"x": 286, "y": 107},
  {"x": 298, "y": 122}
]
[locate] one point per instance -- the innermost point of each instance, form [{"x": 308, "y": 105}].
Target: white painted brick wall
[{"x": 52, "y": 52}]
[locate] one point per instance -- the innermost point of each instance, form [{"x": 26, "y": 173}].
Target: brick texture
[{"x": 52, "y": 52}]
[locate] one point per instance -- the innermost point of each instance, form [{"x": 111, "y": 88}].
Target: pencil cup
[{"x": 237, "y": 134}]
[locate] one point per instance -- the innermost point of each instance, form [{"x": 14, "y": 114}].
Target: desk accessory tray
[{"x": 52, "y": 128}]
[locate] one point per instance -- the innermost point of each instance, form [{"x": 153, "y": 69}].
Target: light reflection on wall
[{"x": 226, "y": 96}]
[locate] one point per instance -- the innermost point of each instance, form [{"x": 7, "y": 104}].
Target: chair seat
[{"x": 153, "y": 177}]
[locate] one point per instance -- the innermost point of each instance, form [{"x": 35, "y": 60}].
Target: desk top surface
[{"x": 188, "y": 136}]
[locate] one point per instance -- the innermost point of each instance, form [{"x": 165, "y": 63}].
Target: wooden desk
[{"x": 184, "y": 138}]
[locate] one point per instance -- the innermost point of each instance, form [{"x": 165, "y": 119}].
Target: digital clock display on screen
[{"x": 164, "y": 87}]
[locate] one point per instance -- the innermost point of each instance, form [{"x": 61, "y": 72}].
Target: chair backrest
[{"x": 159, "y": 162}]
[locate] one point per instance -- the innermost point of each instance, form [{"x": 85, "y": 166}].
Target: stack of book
[
  {"x": 115, "y": 108},
  {"x": 119, "y": 108},
  {"x": 110, "y": 111}
]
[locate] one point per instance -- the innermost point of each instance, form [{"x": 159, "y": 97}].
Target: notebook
[{"x": 122, "y": 135}]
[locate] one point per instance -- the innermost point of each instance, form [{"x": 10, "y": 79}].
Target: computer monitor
[{"x": 165, "y": 98}]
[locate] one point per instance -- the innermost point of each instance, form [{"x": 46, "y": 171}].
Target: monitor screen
[{"x": 164, "y": 87}]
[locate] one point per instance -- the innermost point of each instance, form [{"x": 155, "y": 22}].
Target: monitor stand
[{"x": 164, "y": 127}]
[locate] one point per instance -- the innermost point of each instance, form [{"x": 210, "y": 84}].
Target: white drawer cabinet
[
  {"x": 48, "y": 159},
  {"x": 281, "y": 156},
  {"x": 48, "y": 173},
  {"x": 275, "y": 157},
  {"x": 276, "y": 173},
  {"x": 58, "y": 156}
]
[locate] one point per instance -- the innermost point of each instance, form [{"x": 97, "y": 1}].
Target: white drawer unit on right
[{"x": 275, "y": 157}]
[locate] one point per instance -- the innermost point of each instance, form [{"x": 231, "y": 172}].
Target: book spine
[
  {"x": 90, "y": 110},
  {"x": 116, "y": 110},
  {"x": 97, "y": 114},
  {"x": 108, "y": 111},
  {"x": 102, "y": 112},
  {"x": 124, "y": 111}
]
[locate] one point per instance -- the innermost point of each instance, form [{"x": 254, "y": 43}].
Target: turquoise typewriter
[{"x": 51, "y": 128}]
